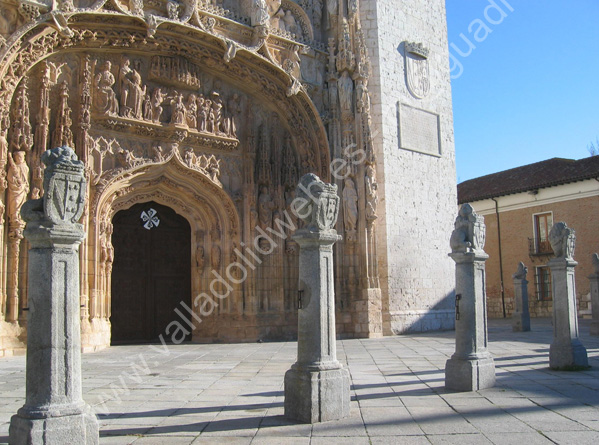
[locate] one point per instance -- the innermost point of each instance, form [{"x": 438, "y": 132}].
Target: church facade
[{"x": 195, "y": 120}]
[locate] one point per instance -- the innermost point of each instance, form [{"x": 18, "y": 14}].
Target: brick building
[{"x": 520, "y": 206}]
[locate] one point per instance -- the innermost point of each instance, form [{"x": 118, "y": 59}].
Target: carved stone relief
[{"x": 215, "y": 108}]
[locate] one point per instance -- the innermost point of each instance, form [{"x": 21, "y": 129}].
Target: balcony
[{"x": 539, "y": 247}]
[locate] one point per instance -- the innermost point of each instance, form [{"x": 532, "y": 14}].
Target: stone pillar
[
  {"x": 54, "y": 411},
  {"x": 471, "y": 367},
  {"x": 316, "y": 386},
  {"x": 594, "y": 279},
  {"x": 521, "y": 315},
  {"x": 566, "y": 351}
]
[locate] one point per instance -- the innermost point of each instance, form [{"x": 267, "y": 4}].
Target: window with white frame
[{"x": 542, "y": 225}]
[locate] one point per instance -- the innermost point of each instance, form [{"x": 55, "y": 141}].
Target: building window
[
  {"x": 542, "y": 225},
  {"x": 543, "y": 283}
]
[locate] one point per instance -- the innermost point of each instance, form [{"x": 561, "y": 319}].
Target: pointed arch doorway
[{"x": 151, "y": 273}]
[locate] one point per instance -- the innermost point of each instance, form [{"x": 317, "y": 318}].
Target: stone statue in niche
[
  {"x": 276, "y": 14},
  {"x": 371, "y": 192},
  {"x": 469, "y": 232},
  {"x": 259, "y": 16},
  {"x": 217, "y": 109},
  {"x": 172, "y": 9},
  {"x": 234, "y": 109},
  {"x": 178, "y": 111},
  {"x": 136, "y": 95},
  {"x": 290, "y": 23},
  {"x": 266, "y": 207},
  {"x": 18, "y": 185},
  {"x": 124, "y": 82},
  {"x": 105, "y": 101},
  {"x": 332, "y": 11},
  {"x": 346, "y": 90},
  {"x": 21, "y": 137},
  {"x": 157, "y": 99},
  {"x": 563, "y": 240},
  {"x": 189, "y": 158},
  {"x": 203, "y": 113},
  {"x": 350, "y": 208},
  {"x": 294, "y": 62},
  {"x": 192, "y": 111},
  {"x": 147, "y": 107}
]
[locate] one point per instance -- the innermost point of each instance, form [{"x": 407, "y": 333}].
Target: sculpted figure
[
  {"x": 213, "y": 169},
  {"x": 260, "y": 16},
  {"x": 350, "y": 205},
  {"x": 317, "y": 204},
  {"x": 234, "y": 107},
  {"x": 200, "y": 257},
  {"x": 124, "y": 82},
  {"x": 202, "y": 114},
  {"x": 178, "y": 110},
  {"x": 469, "y": 232},
  {"x": 136, "y": 7},
  {"x": 266, "y": 207},
  {"x": 192, "y": 111},
  {"x": 294, "y": 62},
  {"x": 147, "y": 107},
  {"x": 217, "y": 108},
  {"x": 172, "y": 8},
  {"x": 157, "y": 98},
  {"x": 521, "y": 271},
  {"x": 346, "y": 90},
  {"x": 290, "y": 23},
  {"x": 18, "y": 185},
  {"x": 371, "y": 192},
  {"x": 137, "y": 93},
  {"x": 563, "y": 240},
  {"x": 276, "y": 14},
  {"x": 332, "y": 11},
  {"x": 105, "y": 99},
  {"x": 211, "y": 124}
]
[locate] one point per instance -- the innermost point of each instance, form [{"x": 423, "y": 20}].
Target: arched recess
[
  {"x": 210, "y": 212},
  {"x": 172, "y": 183},
  {"x": 114, "y": 33}
]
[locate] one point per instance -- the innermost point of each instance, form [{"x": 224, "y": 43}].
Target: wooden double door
[{"x": 151, "y": 272}]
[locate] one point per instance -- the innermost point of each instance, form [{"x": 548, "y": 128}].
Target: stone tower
[
  {"x": 413, "y": 138},
  {"x": 199, "y": 118}
]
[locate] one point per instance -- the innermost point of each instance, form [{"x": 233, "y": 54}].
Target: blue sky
[{"x": 529, "y": 91}]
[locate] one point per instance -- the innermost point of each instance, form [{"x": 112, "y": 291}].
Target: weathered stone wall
[{"x": 417, "y": 190}]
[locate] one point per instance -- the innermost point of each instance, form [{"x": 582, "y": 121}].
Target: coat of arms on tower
[{"x": 417, "y": 70}]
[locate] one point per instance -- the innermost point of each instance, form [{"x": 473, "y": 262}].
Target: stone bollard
[
  {"x": 54, "y": 410},
  {"x": 316, "y": 386},
  {"x": 594, "y": 279},
  {"x": 521, "y": 315},
  {"x": 566, "y": 352},
  {"x": 471, "y": 367}
]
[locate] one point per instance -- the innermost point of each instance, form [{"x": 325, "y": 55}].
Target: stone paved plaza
[{"x": 233, "y": 393}]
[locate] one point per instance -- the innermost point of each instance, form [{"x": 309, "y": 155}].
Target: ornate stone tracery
[{"x": 213, "y": 108}]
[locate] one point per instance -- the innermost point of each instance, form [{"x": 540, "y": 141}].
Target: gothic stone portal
[
  {"x": 151, "y": 272},
  {"x": 214, "y": 113}
]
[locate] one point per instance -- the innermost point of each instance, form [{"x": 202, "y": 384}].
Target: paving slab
[{"x": 233, "y": 394}]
